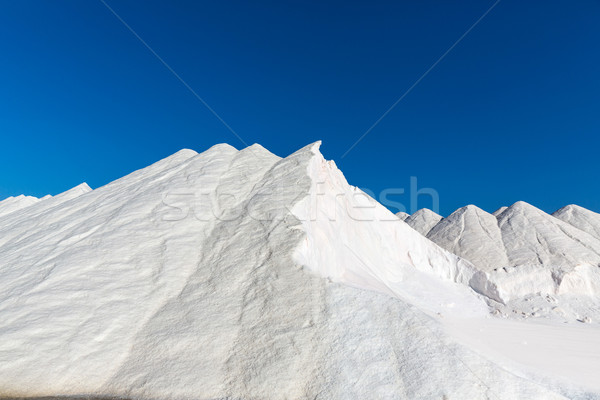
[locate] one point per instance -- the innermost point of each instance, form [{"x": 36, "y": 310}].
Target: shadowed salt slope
[
  {"x": 547, "y": 252},
  {"x": 402, "y": 215},
  {"x": 473, "y": 234},
  {"x": 423, "y": 220},
  {"x": 203, "y": 276},
  {"x": 499, "y": 211},
  {"x": 530, "y": 235},
  {"x": 581, "y": 218}
]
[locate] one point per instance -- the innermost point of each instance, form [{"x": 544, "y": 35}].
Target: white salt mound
[
  {"x": 402, "y": 215},
  {"x": 241, "y": 275},
  {"x": 523, "y": 251},
  {"x": 581, "y": 218},
  {"x": 474, "y": 235},
  {"x": 423, "y": 220},
  {"x": 499, "y": 211}
]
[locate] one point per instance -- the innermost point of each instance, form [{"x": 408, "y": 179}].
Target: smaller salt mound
[
  {"x": 423, "y": 220},
  {"x": 581, "y": 218},
  {"x": 532, "y": 237},
  {"x": 37, "y": 208},
  {"x": 542, "y": 251},
  {"x": 499, "y": 211},
  {"x": 520, "y": 250},
  {"x": 474, "y": 235},
  {"x": 402, "y": 215},
  {"x": 12, "y": 204}
]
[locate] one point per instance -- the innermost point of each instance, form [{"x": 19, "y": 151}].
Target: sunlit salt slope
[
  {"x": 12, "y": 204},
  {"x": 237, "y": 275}
]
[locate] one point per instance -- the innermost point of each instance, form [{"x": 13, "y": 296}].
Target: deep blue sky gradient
[{"x": 512, "y": 113}]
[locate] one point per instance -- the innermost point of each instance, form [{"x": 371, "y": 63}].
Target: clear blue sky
[{"x": 511, "y": 113}]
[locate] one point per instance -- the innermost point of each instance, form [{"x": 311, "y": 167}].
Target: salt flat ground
[{"x": 563, "y": 352}]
